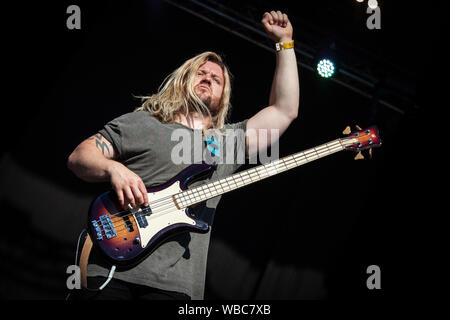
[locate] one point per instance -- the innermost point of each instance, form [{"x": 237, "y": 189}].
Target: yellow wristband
[{"x": 284, "y": 45}]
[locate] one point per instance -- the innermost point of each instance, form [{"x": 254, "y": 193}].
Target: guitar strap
[{"x": 84, "y": 257}]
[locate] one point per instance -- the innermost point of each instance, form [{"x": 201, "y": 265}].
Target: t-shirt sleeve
[{"x": 113, "y": 131}]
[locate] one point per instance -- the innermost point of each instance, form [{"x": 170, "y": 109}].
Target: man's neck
[{"x": 194, "y": 120}]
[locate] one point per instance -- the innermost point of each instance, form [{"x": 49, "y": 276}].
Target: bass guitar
[{"x": 126, "y": 237}]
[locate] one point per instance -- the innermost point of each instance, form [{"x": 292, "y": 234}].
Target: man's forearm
[{"x": 285, "y": 91}]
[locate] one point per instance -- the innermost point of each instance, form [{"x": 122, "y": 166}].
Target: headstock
[{"x": 362, "y": 139}]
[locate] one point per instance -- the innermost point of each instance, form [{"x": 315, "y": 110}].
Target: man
[{"x": 134, "y": 151}]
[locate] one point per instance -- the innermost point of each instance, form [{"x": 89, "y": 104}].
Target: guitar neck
[{"x": 246, "y": 177}]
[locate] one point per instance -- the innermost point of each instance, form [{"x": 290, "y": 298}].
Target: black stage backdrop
[{"x": 310, "y": 233}]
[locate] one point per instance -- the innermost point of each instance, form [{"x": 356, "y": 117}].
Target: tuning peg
[
  {"x": 347, "y": 130},
  {"x": 358, "y": 127},
  {"x": 359, "y": 156}
]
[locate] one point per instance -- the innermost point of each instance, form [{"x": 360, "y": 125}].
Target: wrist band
[{"x": 284, "y": 45}]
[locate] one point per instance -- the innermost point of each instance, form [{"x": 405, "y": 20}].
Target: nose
[{"x": 206, "y": 78}]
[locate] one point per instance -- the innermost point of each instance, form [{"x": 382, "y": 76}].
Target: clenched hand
[{"x": 277, "y": 26}]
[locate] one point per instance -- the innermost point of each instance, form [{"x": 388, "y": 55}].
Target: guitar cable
[{"x": 110, "y": 274}]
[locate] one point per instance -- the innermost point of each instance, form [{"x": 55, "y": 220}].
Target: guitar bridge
[
  {"x": 97, "y": 229},
  {"x": 105, "y": 224}
]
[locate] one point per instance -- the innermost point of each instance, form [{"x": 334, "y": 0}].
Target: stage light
[
  {"x": 325, "y": 68},
  {"x": 360, "y": 0},
  {"x": 373, "y": 4}
]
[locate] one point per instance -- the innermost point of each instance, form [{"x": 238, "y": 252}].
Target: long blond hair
[{"x": 176, "y": 94}]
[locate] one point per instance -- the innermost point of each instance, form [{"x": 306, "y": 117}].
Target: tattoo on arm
[
  {"x": 102, "y": 145},
  {"x": 98, "y": 136}
]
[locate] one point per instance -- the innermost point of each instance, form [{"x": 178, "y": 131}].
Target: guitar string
[
  {"x": 169, "y": 198},
  {"x": 117, "y": 224},
  {"x": 291, "y": 159},
  {"x": 327, "y": 148},
  {"x": 305, "y": 159},
  {"x": 191, "y": 192},
  {"x": 196, "y": 192},
  {"x": 286, "y": 162}
]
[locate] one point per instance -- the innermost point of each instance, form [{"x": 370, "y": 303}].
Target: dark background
[{"x": 310, "y": 233}]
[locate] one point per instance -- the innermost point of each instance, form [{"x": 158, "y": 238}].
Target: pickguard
[{"x": 164, "y": 213}]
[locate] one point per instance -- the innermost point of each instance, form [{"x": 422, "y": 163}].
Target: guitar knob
[
  {"x": 137, "y": 240},
  {"x": 347, "y": 130},
  {"x": 359, "y": 156}
]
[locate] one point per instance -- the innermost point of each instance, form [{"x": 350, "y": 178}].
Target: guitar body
[{"x": 126, "y": 237}]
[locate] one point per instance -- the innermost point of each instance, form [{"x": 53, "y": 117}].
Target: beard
[
  {"x": 206, "y": 101},
  {"x": 204, "y": 97}
]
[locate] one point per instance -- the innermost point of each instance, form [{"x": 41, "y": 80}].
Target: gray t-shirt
[{"x": 144, "y": 145}]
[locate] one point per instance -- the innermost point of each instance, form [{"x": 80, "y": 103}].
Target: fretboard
[{"x": 213, "y": 189}]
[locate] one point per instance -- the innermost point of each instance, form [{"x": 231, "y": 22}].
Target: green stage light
[{"x": 325, "y": 68}]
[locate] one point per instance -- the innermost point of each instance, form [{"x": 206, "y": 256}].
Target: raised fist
[{"x": 277, "y": 26}]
